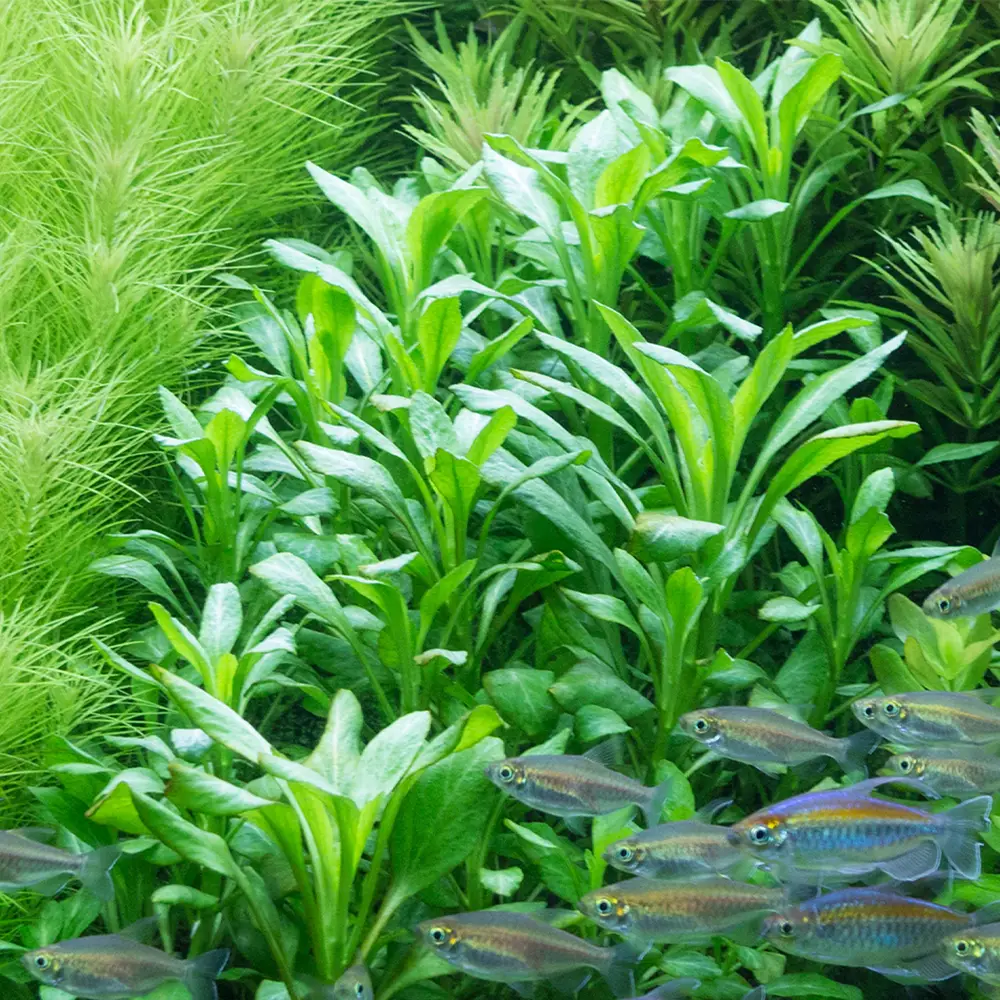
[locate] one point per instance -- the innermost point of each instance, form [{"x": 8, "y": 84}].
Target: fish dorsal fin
[
  {"x": 39, "y": 834},
  {"x": 143, "y": 930},
  {"x": 708, "y": 812},
  {"x": 867, "y": 787},
  {"x": 610, "y": 753},
  {"x": 555, "y": 916}
]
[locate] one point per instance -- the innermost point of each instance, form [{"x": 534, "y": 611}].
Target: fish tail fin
[
  {"x": 202, "y": 973},
  {"x": 95, "y": 872},
  {"x": 653, "y": 806},
  {"x": 675, "y": 988},
  {"x": 619, "y": 970},
  {"x": 960, "y": 842},
  {"x": 854, "y": 750}
]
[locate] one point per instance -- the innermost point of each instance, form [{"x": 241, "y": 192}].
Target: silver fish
[
  {"x": 921, "y": 718},
  {"x": 354, "y": 984},
  {"x": 974, "y": 592},
  {"x": 112, "y": 967},
  {"x": 975, "y": 951},
  {"x": 686, "y": 988},
  {"x": 958, "y": 773},
  {"x": 518, "y": 948},
  {"x": 764, "y": 738},
  {"x": 567, "y": 785},
  {"x": 874, "y": 928},
  {"x": 26, "y": 863},
  {"x": 682, "y": 849}
]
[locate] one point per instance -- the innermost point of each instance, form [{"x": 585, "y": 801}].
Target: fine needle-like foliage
[{"x": 142, "y": 145}]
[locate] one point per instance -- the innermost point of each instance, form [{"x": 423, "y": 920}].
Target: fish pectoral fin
[
  {"x": 50, "y": 886},
  {"x": 577, "y": 825},
  {"x": 915, "y": 864},
  {"x": 610, "y": 753},
  {"x": 570, "y": 983},
  {"x": 526, "y": 990},
  {"x": 930, "y": 968},
  {"x": 142, "y": 930},
  {"x": 774, "y": 770}
]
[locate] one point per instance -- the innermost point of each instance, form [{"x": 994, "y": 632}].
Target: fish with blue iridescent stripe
[
  {"x": 874, "y": 928},
  {"x": 850, "y": 832}
]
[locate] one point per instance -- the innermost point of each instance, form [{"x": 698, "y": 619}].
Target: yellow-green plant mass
[{"x": 486, "y": 486}]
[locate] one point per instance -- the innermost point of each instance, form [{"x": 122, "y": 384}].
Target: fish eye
[
  {"x": 905, "y": 764},
  {"x": 625, "y": 853},
  {"x": 786, "y": 928},
  {"x": 961, "y": 947},
  {"x": 42, "y": 962},
  {"x": 438, "y": 935},
  {"x": 869, "y": 711},
  {"x": 944, "y": 606},
  {"x": 760, "y": 834},
  {"x": 890, "y": 708},
  {"x": 359, "y": 989},
  {"x": 604, "y": 907},
  {"x": 505, "y": 772},
  {"x": 701, "y": 725}
]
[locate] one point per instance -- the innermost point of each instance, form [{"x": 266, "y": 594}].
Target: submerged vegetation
[{"x": 485, "y": 485}]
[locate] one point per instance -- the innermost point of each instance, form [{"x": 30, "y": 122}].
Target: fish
[
  {"x": 974, "y": 592},
  {"x": 26, "y": 863},
  {"x": 518, "y": 948},
  {"x": 681, "y": 849},
  {"x": 655, "y": 911},
  {"x": 572, "y": 786},
  {"x": 762, "y": 737},
  {"x": 957, "y": 773},
  {"x": 921, "y": 718},
  {"x": 114, "y": 967},
  {"x": 975, "y": 951},
  {"x": 686, "y": 987},
  {"x": 874, "y": 927},
  {"x": 848, "y": 831},
  {"x": 354, "y": 984}
]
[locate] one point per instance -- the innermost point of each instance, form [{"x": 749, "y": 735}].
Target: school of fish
[{"x": 781, "y": 874}]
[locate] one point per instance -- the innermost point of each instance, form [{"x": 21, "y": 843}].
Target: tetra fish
[
  {"x": 112, "y": 967},
  {"x": 975, "y": 951},
  {"x": 27, "y": 863},
  {"x": 974, "y": 592},
  {"x": 848, "y": 831},
  {"x": 764, "y": 738},
  {"x": 958, "y": 773},
  {"x": 519, "y": 948},
  {"x": 921, "y": 718}
]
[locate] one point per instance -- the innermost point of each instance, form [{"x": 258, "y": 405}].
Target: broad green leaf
[
  {"x": 457, "y": 480},
  {"x": 679, "y": 803},
  {"x": 357, "y": 471},
  {"x": 757, "y": 211},
  {"x": 183, "y": 641},
  {"x": 442, "y": 818},
  {"x": 209, "y": 714},
  {"x": 492, "y": 436},
  {"x": 502, "y": 882},
  {"x": 891, "y": 672},
  {"x": 200, "y": 792},
  {"x": 591, "y": 683},
  {"x": 480, "y": 723},
  {"x": 338, "y": 752},
  {"x": 811, "y": 984},
  {"x": 226, "y": 431},
  {"x": 756, "y": 389},
  {"x": 685, "y": 596},
  {"x": 815, "y": 398},
  {"x": 751, "y": 108},
  {"x": 438, "y": 330},
  {"x": 388, "y": 757},
  {"x": 621, "y": 179},
  {"x": 183, "y": 895},
  {"x": 430, "y": 224},
  {"x": 799, "y": 102},
  {"x": 786, "y": 609},
  {"x": 521, "y": 189},
  {"x": 522, "y": 697},
  {"x": 430, "y": 426},
  {"x": 595, "y": 146},
  {"x": 910, "y": 188},
  {"x": 183, "y": 422},
  {"x": 605, "y": 608},
  {"x": 288, "y": 574},
  {"x": 876, "y": 491},
  {"x": 956, "y": 452},
  {"x": 497, "y": 348},
  {"x": 221, "y": 620},
  {"x": 821, "y": 451},
  {"x": 704, "y": 84},
  {"x": 805, "y": 671},
  {"x": 662, "y": 537},
  {"x": 597, "y": 722},
  {"x": 139, "y": 570},
  {"x": 738, "y": 327},
  {"x": 440, "y": 594},
  {"x": 191, "y": 842}
]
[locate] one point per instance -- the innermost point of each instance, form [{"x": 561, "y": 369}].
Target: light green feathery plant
[{"x": 142, "y": 147}]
